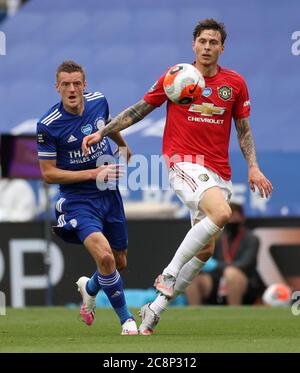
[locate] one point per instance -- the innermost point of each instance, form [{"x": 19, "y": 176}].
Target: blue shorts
[{"x": 77, "y": 219}]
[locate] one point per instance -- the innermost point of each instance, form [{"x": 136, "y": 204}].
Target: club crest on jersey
[
  {"x": 99, "y": 123},
  {"x": 203, "y": 177},
  {"x": 87, "y": 129},
  {"x": 74, "y": 223},
  {"x": 224, "y": 92},
  {"x": 207, "y": 92}
]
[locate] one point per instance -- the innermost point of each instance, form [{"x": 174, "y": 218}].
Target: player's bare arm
[
  {"x": 246, "y": 141},
  {"x": 54, "y": 175},
  {"x": 122, "y": 146},
  {"x": 128, "y": 117},
  {"x": 125, "y": 119}
]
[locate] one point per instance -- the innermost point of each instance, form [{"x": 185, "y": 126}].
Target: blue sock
[
  {"x": 93, "y": 286},
  {"x": 112, "y": 286}
]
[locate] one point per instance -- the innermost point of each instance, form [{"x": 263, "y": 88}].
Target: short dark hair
[
  {"x": 70, "y": 66},
  {"x": 210, "y": 24}
]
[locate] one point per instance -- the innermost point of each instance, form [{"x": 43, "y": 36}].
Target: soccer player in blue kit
[{"x": 87, "y": 212}]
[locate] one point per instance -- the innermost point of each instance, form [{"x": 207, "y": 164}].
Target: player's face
[
  {"x": 208, "y": 47},
  {"x": 71, "y": 87}
]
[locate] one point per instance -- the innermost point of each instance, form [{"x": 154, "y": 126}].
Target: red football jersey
[{"x": 202, "y": 129}]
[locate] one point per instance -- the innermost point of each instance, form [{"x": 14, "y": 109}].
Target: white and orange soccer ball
[
  {"x": 183, "y": 84},
  {"x": 277, "y": 295}
]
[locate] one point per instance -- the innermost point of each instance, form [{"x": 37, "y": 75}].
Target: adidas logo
[
  {"x": 72, "y": 138},
  {"x": 116, "y": 294}
]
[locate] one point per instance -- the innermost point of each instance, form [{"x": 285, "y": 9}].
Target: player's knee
[
  {"x": 222, "y": 214},
  {"x": 232, "y": 274},
  {"x": 107, "y": 261},
  {"x": 121, "y": 262}
]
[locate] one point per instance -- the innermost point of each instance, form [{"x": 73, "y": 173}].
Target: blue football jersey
[{"x": 60, "y": 134}]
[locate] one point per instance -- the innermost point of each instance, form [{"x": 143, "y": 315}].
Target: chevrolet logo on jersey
[{"x": 207, "y": 109}]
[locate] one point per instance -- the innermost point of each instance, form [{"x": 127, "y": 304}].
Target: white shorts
[{"x": 190, "y": 180}]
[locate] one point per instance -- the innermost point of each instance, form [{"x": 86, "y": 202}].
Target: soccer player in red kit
[{"x": 195, "y": 143}]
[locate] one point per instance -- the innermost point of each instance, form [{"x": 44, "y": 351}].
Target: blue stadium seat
[
  {"x": 23, "y": 59},
  {"x": 23, "y": 101},
  {"x": 119, "y": 92},
  {"x": 26, "y": 26},
  {"x": 65, "y": 28},
  {"x": 110, "y": 25},
  {"x": 79, "y": 53},
  {"x": 52, "y": 6},
  {"x": 115, "y": 58},
  {"x": 156, "y": 25},
  {"x": 158, "y": 57}
]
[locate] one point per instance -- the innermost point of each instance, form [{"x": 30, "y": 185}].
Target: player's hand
[
  {"x": 123, "y": 151},
  {"x": 89, "y": 140},
  {"x": 258, "y": 179},
  {"x": 109, "y": 172}
]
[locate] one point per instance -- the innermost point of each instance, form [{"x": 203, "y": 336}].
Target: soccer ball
[
  {"x": 183, "y": 84},
  {"x": 277, "y": 295}
]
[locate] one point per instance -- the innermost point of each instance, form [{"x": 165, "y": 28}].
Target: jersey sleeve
[
  {"x": 241, "y": 108},
  {"x": 46, "y": 144},
  {"x": 156, "y": 95}
]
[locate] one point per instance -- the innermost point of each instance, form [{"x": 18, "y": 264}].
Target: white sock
[
  {"x": 188, "y": 272},
  {"x": 159, "y": 304},
  {"x": 184, "y": 278},
  {"x": 196, "y": 238}
]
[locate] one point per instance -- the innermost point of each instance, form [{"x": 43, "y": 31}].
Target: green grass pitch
[{"x": 190, "y": 329}]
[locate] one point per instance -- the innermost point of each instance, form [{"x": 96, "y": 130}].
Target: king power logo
[{"x": 2, "y": 43}]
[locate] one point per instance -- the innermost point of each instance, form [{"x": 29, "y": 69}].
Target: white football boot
[
  {"x": 88, "y": 307},
  {"x": 129, "y": 327},
  {"x": 165, "y": 285},
  {"x": 149, "y": 320}
]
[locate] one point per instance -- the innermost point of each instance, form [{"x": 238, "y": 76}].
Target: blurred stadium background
[{"x": 124, "y": 47}]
